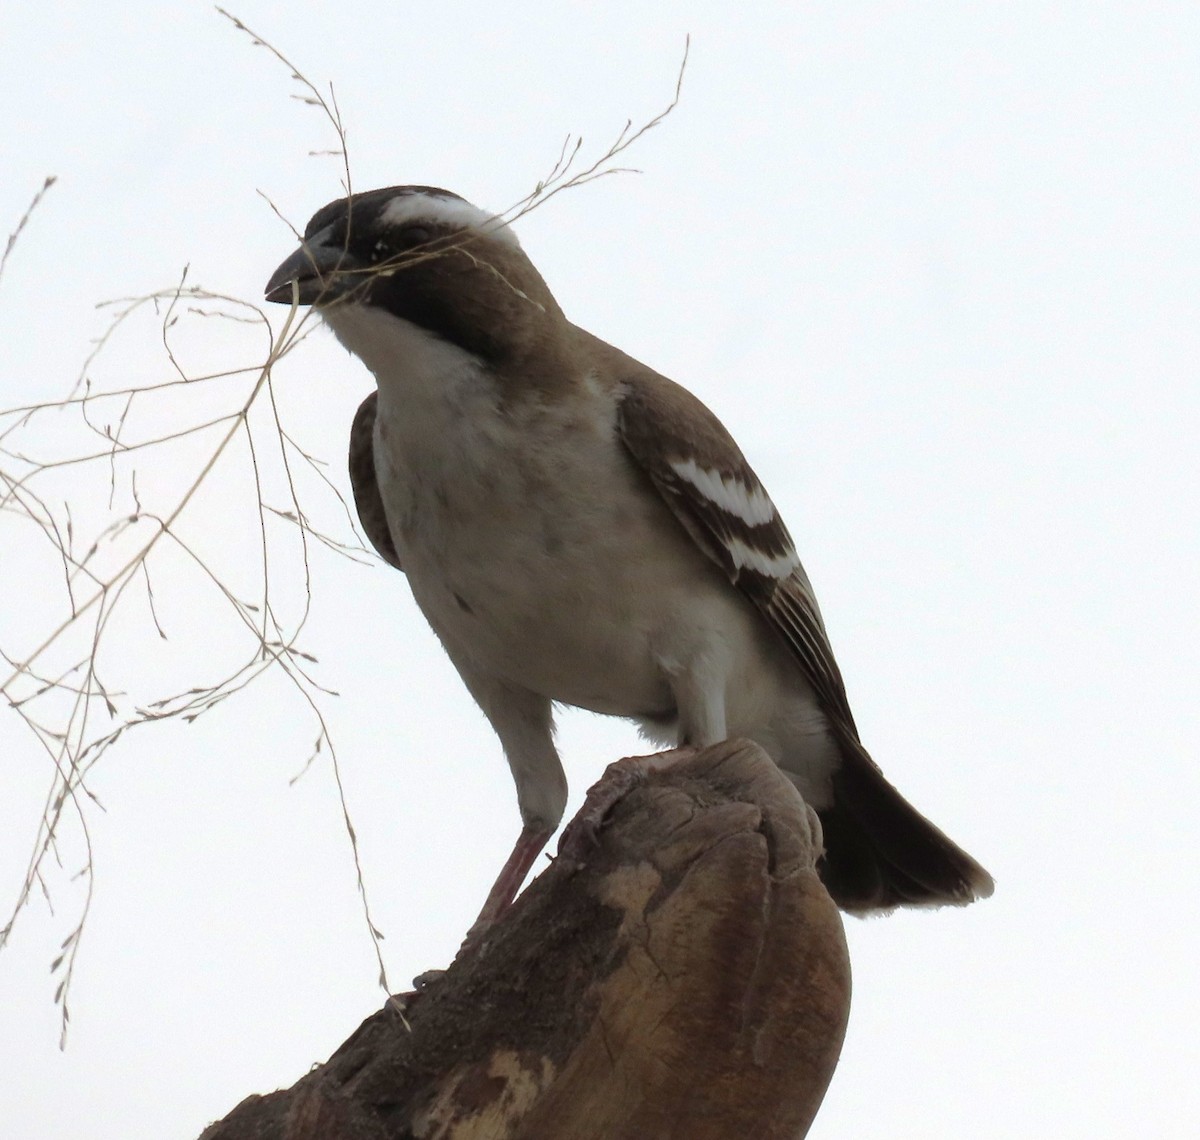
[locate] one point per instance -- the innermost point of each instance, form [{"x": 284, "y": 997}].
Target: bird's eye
[{"x": 416, "y": 235}]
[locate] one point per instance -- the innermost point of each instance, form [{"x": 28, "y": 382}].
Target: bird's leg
[
  {"x": 529, "y": 845},
  {"x": 579, "y": 836}
]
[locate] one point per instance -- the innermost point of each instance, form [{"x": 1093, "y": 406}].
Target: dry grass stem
[{"x": 105, "y": 486}]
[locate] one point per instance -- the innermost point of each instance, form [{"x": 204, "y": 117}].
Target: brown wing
[
  {"x": 699, "y": 470},
  {"x": 880, "y": 852},
  {"x": 364, "y": 484}
]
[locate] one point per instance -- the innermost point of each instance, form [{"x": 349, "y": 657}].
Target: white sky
[{"x": 936, "y": 265}]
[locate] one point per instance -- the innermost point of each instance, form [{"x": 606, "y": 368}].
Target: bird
[{"x": 580, "y": 530}]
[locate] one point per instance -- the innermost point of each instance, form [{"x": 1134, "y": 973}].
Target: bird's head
[{"x": 427, "y": 257}]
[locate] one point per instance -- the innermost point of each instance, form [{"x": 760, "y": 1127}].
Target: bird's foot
[
  {"x": 423, "y": 982},
  {"x": 402, "y": 1003},
  {"x": 581, "y": 835}
]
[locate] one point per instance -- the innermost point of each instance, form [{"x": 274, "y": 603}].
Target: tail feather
[{"x": 881, "y": 853}]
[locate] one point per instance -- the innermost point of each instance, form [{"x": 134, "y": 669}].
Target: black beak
[{"x": 322, "y": 272}]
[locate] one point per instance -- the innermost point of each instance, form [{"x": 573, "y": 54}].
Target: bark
[{"x": 686, "y": 980}]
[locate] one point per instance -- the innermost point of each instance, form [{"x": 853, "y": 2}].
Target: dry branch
[
  {"x": 690, "y": 980},
  {"x": 77, "y": 696}
]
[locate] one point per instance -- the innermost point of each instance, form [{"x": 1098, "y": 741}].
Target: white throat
[
  {"x": 438, "y": 425},
  {"x": 406, "y": 360}
]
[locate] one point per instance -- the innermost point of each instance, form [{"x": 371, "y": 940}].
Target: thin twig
[
  {"x": 9, "y": 245},
  {"x": 76, "y": 718}
]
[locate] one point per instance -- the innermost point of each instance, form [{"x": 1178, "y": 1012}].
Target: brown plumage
[{"x": 578, "y": 528}]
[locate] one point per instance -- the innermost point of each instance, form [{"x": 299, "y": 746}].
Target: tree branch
[{"x": 688, "y": 980}]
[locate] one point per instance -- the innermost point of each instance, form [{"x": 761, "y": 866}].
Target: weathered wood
[{"x": 688, "y": 981}]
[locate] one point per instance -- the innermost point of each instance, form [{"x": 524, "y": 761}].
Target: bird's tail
[{"x": 881, "y": 853}]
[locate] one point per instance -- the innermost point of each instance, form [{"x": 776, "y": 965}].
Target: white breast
[
  {"x": 530, "y": 543},
  {"x": 540, "y": 555}
]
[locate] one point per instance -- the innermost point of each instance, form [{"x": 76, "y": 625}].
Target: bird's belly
[
  {"x": 583, "y": 622},
  {"x": 545, "y": 559}
]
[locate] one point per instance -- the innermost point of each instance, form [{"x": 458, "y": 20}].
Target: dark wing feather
[
  {"x": 663, "y": 426},
  {"x": 880, "y": 852},
  {"x": 364, "y": 484}
]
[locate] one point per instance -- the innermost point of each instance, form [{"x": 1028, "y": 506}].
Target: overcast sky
[{"x": 937, "y": 267}]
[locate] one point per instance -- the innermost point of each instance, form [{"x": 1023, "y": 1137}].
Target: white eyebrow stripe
[
  {"x": 750, "y": 504},
  {"x": 404, "y": 208},
  {"x": 779, "y": 566}
]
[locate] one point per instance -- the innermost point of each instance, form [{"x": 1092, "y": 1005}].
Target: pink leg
[
  {"x": 529, "y": 845},
  {"x": 576, "y": 840}
]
